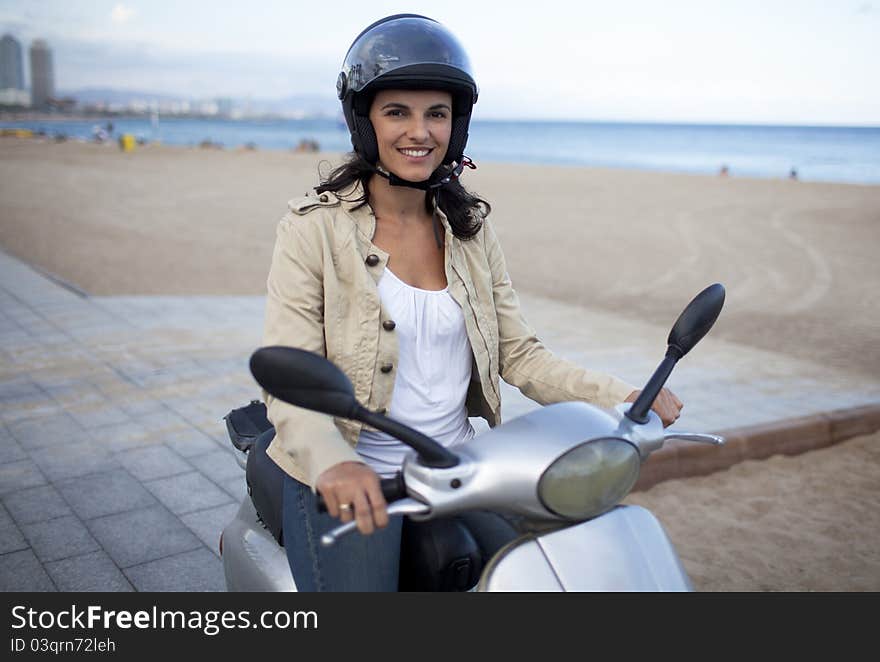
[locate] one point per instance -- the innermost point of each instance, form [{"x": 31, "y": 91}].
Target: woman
[{"x": 392, "y": 271}]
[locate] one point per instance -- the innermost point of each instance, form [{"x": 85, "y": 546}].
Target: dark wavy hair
[{"x": 464, "y": 210}]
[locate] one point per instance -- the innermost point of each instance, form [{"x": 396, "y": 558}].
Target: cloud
[{"x": 122, "y": 14}]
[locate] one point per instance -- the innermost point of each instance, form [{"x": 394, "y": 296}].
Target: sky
[{"x": 734, "y": 61}]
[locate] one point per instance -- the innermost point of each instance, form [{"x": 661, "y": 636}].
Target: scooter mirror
[
  {"x": 304, "y": 379},
  {"x": 690, "y": 327},
  {"x": 696, "y": 319},
  {"x": 310, "y": 381}
]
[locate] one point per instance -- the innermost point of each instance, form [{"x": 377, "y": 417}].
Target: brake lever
[
  {"x": 401, "y": 507},
  {"x": 714, "y": 439}
]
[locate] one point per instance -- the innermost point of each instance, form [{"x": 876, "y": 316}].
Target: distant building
[
  {"x": 224, "y": 107},
  {"x": 12, "y": 97},
  {"x": 11, "y": 64},
  {"x": 42, "y": 74}
]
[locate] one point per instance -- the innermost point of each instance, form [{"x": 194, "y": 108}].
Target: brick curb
[{"x": 756, "y": 442}]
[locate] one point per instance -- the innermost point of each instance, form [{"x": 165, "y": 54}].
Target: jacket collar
[{"x": 365, "y": 220}]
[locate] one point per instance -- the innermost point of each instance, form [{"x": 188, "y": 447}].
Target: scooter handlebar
[
  {"x": 393, "y": 489},
  {"x": 401, "y": 507}
]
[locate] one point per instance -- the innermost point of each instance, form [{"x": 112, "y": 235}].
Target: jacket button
[
  {"x": 388, "y": 325},
  {"x": 372, "y": 260},
  {"x": 386, "y": 367}
]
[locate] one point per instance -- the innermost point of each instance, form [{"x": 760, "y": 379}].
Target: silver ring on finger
[{"x": 345, "y": 507}]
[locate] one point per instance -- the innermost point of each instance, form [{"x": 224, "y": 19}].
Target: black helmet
[{"x": 405, "y": 51}]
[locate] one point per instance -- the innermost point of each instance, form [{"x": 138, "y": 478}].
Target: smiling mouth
[{"x": 415, "y": 153}]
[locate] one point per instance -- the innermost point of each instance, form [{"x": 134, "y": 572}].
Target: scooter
[{"x": 559, "y": 473}]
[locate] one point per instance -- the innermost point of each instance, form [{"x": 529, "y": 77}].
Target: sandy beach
[
  {"x": 808, "y": 522},
  {"x": 798, "y": 261}
]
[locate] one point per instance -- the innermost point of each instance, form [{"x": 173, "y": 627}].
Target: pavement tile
[
  {"x": 218, "y": 465},
  {"x": 23, "y": 572},
  {"x": 59, "y": 538},
  {"x": 187, "y": 492},
  {"x": 105, "y": 494},
  {"x": 209, "y": 524},
  {"x": 186, "y": 406},
  {"x": 194, "y": 571},
  {"x": 98, "y": 415},
  {"x": 91, "y": 572},
  {"x": 20, "y": 475},
  {"x": 9, "y": 327},
  {"x": 36, "y": 504},
  {"x": 144, "y": 535},
  {"x": 163, "y": 422},
  {"x": 158, "y": 378},
  {"x": 123, "y": 436},
  {"x": 15, "y": 390},
  {"x": 153, "y": 462},
  {"x": 11, "y": 537},
  {"x": 219, "y": 435},
  {"x": 112, "y": 382},
  {"x": 75, "y": 393},
  {"x": 236, "y": 488},
  {"x": 11, "y": 450},
  {"x": 74, "y": 460},
  {"x": 53, "y": 430},
  {"x": 36, "y": 408},
  {"x": 190, "y": 442},
  {"x": 215, "y": 409},
  {"x": 142, "y": 406}
]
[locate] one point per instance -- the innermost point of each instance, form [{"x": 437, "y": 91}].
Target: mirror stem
[
  {"x": 638, "y": 413},
  {"x": 431, "y": 454}
]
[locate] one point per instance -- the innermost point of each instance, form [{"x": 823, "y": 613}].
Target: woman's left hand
[{"x": 666, "y": 405}]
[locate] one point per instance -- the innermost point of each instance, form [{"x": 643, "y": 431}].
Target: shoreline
[
  {"x": 335, "y": 157},
  {"x": 758, "y": 165}
]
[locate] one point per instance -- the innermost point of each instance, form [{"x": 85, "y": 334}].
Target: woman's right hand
[{"x": 357, "y": 485}]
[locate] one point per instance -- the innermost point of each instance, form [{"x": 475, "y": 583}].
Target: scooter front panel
[
  {"x": 521, "y": 566},
  {"x": 626, "y": 549}
]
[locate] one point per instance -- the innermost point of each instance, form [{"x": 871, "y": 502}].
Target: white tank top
[{"x": 431, "y": 376}]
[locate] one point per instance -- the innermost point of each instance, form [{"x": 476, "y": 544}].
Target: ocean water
[{"x": 832, "y": 154}]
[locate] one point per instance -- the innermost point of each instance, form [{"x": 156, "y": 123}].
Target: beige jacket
[{"x": 322, "y": 296}]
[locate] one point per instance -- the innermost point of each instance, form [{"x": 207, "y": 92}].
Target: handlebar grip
[{"x": 393, "y": 489}]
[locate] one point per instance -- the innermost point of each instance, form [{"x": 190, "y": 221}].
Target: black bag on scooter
[{"x": 250, "y": 431}]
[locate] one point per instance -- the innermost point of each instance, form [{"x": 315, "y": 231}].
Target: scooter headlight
[{"x": 590, "y": 478}]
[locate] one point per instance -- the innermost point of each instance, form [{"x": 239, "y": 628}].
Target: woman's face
[{"x": 412, "y": 130}]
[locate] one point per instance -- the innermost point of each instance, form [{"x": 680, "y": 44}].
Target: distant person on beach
[
  {"x": 392, "y": 270},
  {"x": 307, "y": 145},
  {"x": 99, "y": 135},
  {"x": 793, "y": 174},
  {"x": 724, "y": 171}
]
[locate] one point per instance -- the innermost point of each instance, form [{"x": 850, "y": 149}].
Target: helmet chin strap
[{"x": 441, "y": 177}]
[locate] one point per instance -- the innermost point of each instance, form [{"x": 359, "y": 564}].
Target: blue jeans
[{"x": 354, "y": 563}]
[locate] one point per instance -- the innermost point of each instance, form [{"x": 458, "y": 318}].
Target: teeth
[{"x": 415, "y": 152}]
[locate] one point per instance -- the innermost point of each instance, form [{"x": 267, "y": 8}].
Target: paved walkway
[{"x": 115, "y": 470}]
